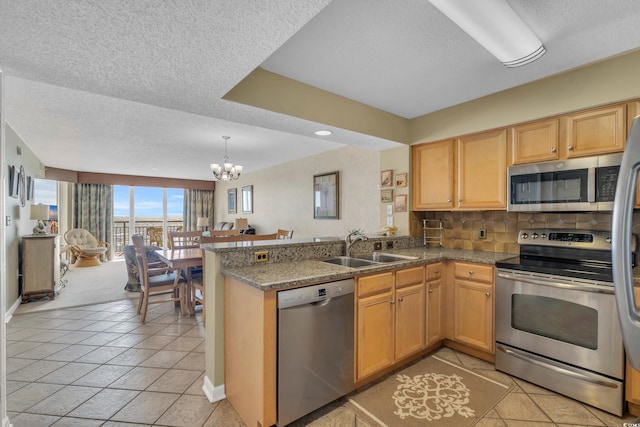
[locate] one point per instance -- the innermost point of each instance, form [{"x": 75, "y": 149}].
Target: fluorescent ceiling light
[
  {"x": 495, "y": 25},
  {"x": 323, "y": 132}
]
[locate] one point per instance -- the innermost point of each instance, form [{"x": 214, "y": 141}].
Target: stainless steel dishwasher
[{"x": 315, "y": 347}]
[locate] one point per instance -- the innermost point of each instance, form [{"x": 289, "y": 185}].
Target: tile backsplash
[{"x": 461, "y": 229}]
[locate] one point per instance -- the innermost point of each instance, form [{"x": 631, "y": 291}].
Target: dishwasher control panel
[{"x": 315, "y": 293}]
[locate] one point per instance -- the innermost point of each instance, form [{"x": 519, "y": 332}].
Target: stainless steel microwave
[{"x": 585, "y": 184}]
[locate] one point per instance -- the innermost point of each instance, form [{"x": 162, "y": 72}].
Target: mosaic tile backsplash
[{"x": 461, "y": 230}]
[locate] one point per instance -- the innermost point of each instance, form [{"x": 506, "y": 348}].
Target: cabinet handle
[
  {"x": 459, "y": 200},
  {"x": 400, "y": 299},
  {"x": 437, "y": 272},
  {"x": 488, "y": 294},
  {"x": 448, "y": 200},
  {"x": 553, "y": 149},
  {"x": 430, "y": 290},
  {"x": 570, "y": 147},
  {"x": 392, "y": 302},
  {"x": 470, "y": 272}
]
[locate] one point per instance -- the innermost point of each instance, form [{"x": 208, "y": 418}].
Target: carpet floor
[{"x": 84, "y": 286}]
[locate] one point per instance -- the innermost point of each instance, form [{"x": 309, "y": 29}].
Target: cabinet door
[
  {"x": 410, "y": 314},
  {"x": 375, "y": 337},
  {"x": 534, "y": 142},
  {"x": 473, "y": 314},
  {"x": 593, "y": 132},
  {"x": 482, "y": 170},
  {"x": 432, "y": 175},
  {"x": 435, "y": 301}
]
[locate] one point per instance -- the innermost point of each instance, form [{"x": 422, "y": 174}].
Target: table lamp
[
  {"x": 241, "y": 224},
  {"x": 203, "y": 222},
  {"x": 41, "y": 214}
]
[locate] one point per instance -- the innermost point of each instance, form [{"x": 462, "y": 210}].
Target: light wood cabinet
[
  {"x": 40, "y": 265},
  {"x": 482, "y": 170},
  {"x": 435, "y": 303},
  {"x": 593, "y": 132},
  {"x": 433, "y": 175},
  {"x": 390, "y": 319},
  {"x": 473, "y": 305},
  {"x": 533, "y": 142},
  {"x": 467, "y": 173}
]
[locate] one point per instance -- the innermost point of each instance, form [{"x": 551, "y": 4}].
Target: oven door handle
[
  {"x": 557, "y": 284},
  {"x": 547, "y": 364}
]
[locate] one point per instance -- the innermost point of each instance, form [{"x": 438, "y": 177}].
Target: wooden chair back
[
  {"x": 185, "y": 239},
  {"x": 155, "y": 236},
  {"x": 284, "y": 234}
]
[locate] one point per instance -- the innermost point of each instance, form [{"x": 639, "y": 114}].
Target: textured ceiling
[{"x": 136, "y": 87}]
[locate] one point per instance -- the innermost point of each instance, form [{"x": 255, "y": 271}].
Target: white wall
[{"x": 283, "y": 195}]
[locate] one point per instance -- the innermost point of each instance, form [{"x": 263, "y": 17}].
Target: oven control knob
[
  {"x": 608, "y": 239},
  {"x": 524, "y": 236},
  {"x": 543, "y": 236},
  {"x": 534, "y": 236}
]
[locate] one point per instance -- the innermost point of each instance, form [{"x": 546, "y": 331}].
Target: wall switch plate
[
  {"x": 482, "y": 234},
  {"x": 389, "y": 209},
  {"x": 389, "y": 221},
  {"x": 261, "y": 256},
  {"x": 377, "y": 246}
]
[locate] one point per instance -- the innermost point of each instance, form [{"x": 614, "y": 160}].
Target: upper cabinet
[
  {"x": 593, "y": 132},
  {"x": 432, "y": 174},
  {"x": 469, "y": 172},
  {"x": 533, "y": 142},
  {"x": 482, "y": 170}
]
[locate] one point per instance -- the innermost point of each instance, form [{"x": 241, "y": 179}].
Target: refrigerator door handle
[{"x": 621, "y": 245}]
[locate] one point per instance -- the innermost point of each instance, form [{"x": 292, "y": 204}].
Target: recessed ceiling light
[{"x": 323, "y": 132}]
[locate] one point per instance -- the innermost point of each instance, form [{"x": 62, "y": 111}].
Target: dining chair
[
  {"x": 189, "y": 240},
  {"x": 185, "y": 239},
  {"x": 169, "y": 283},
  {"x": 284, "y": 234}
]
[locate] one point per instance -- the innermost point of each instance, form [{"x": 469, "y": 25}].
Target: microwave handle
[
  {"x": 621, "y": 245},
  {"x": 591, "y": 190}
]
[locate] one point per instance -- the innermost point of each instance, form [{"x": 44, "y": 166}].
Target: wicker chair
[{"x": 86, "y": 249}]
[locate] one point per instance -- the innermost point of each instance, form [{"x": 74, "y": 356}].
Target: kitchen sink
[
  {"x": 382, "y": 257},
  {"x": 367, "y": 260},
  {"x": 350, "y": 262}
]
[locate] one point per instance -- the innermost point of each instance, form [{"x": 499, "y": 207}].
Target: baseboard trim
[
  {"x": 214, "y": 394},
  {"x": 9, "y": 314}
]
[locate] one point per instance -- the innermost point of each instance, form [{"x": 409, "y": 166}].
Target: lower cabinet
[
  {"x": 473, "y": 305},
  {"x": 390, "y": 319},
  {"x": 435, "y": 274}
]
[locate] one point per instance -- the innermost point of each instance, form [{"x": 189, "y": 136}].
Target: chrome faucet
[{"x": 350, "y": 240}]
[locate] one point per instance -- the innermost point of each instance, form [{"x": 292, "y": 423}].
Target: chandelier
[{"x": 227, "y": 171}]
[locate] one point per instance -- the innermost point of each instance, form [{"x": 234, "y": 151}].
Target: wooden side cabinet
[{"x": 40, "y": 265}]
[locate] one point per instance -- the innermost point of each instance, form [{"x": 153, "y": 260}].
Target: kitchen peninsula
[{"x": 241, "y": 303}]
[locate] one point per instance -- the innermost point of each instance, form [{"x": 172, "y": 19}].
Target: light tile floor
[{"x": 99, "y": 366}]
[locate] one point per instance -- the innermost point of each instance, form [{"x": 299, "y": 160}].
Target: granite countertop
[{"x": 297, "y": 273}]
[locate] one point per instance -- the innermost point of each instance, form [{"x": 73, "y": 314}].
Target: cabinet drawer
[
  {"x": 478, "y": 272},
  {"x": 435, "y": 271},
  {"x": 370, "y": 285},
  {"x": 410, "y": 276}
]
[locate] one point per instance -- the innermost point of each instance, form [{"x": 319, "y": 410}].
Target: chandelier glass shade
[{"x": 227, "y": 171}]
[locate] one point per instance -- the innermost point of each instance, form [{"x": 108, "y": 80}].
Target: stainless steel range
[{"x": 556, "y": 318}]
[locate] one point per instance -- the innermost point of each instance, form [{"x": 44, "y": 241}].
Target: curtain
[
  {"x": 197, "y": 203},
  {"x": 93, "y": 210}
]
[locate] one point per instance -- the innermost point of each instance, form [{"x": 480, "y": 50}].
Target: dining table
[{"x": 185, "y": 260}]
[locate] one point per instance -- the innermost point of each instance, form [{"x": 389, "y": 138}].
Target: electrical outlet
[
  {"x": 390, "y": 244},
  {"x": 261, "y": 256},
  {"x": 377, "y": 246},
  {"x": 482, "y": 234}
]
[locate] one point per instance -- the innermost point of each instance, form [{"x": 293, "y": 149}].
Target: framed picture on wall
[
  {"x": 13, "y": 182},
  {"x": 386, "y": 196},
  {"x": 400, "y": 203},
  {"x": 401, "y": 180},
  {"x": 386, "y": 178},
  {"x": 326, "y": 196},
  {"x": 232, "y": 196}
]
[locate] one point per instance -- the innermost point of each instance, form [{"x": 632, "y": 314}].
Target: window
[{"x": 45, "y": 192}]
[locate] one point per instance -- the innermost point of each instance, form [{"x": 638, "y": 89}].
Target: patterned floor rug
[{"x": 432, "y": 392}]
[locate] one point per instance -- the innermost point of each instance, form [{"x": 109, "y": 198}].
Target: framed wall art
[
  {"x": 13, "y": 182},
  {"x": 232, "y": 197},
  {"x": 247, "y": 199},
  {"x": 401, "y": 180},
  {"x": 386, "y": 196},
  {"x": 400, "y": 203},
  {"x": 386, "y": 178},
  {"x": 326, "y": 196}
]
